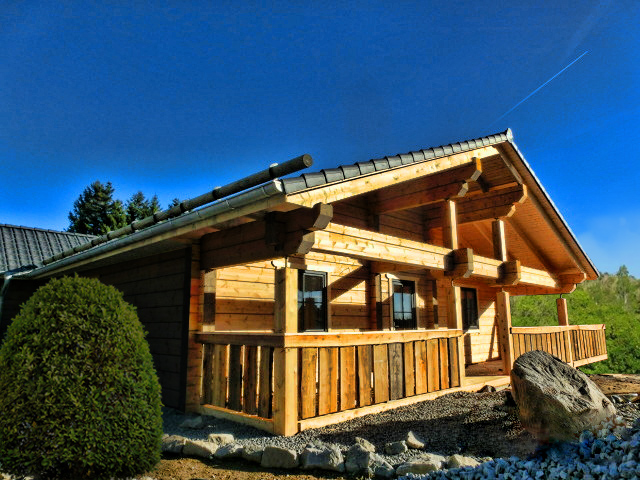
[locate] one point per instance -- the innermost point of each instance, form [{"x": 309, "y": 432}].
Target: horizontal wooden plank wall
[
  {"x": 335, "y": 379},
  {"x": 158, "y": 286},
  {"x": 355, "y": 213},
  {"x": 244, "y": 297},
  {"x": 239, "y": 378}
]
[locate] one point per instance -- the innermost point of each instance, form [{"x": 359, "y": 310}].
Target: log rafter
[{"x": 498, "y": 203}]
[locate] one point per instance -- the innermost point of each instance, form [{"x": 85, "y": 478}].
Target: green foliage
[
  {"x": 95, "y": 211},
  {"x": 612, "y": 299},
  {"x": 78, "y": 392},
  {"x": 176, "y": 201},
  {"x": 139, "y": 207}
]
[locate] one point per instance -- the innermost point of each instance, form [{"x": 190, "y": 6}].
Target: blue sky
[{"x": 176, "y": 99}]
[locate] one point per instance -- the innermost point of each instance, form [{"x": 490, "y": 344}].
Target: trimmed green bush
[{"x": 79, "y": 397}]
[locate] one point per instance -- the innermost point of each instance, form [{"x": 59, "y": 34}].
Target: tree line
[
  {"x": 611, "y": 299},
  {"x": 96, "y": 211}
]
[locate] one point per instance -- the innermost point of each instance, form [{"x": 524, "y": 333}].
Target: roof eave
[
  {"x": 251, "y": 201},
  {"x": 592, "y": 272}
]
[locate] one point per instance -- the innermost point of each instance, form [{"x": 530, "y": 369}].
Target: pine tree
[
  {"x": 139, "y": 207},
  {"x": 95, "y": 211}
]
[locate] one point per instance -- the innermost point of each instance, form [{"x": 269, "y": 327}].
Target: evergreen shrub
[{"x": 79, "y": 397}]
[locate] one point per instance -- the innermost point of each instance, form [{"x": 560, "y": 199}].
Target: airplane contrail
[{"x": 537, "y": 89}]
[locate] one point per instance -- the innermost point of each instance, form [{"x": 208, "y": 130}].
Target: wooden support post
[
  {"x": 285, "y": 360},
  {"x": 454, "y": 297},
  {"x": 286, "y": 300},
  {"x": 503, "y": 311},
  {"x": 499, "y": 240},
  {"x": 449, "y": 225},
  {"x": 563, "y": 315},
  {"x": 195, "y": 350}
]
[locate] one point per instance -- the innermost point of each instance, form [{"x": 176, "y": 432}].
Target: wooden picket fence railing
[
  {"x": 345, "y": 371},
  {"x": 575, "y": 344},
  {"x": 335, "y": 371}
]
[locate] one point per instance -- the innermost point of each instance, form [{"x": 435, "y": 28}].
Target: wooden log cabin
[{"x": 313, "y": 299}]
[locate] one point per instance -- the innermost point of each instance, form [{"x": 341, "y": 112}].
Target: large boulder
[{"x": 556, "y": 401}]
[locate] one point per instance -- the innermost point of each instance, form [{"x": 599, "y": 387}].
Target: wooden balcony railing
[
  {"x": 336, "y": 372},
  {"x": 575, "y": 344}
]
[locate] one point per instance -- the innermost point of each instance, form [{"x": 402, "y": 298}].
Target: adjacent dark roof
[
  {"x": 22, "y": 247},
  {"x": 345, "y": 172}
]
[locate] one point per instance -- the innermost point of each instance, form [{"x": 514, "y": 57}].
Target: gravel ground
[{"x": 476, "y": 424}]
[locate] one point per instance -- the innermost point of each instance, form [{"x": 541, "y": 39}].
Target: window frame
[
  {"x": 325, "y": 299},
  {"x": 414, "y": 302},
  {"x": 466, "y": 313}
]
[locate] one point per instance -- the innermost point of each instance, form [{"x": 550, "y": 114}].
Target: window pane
[
  {"x": 404, "y": 316},
  {"x": 469, "y": 308},
  {"x": 312, "y": 301}
]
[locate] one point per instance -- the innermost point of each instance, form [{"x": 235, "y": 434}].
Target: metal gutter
[{"x": 187, "y": 222}]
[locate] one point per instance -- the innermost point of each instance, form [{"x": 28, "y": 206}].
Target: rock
[
  {"x": 366, "y": 444},
  {"x": 193, "y": 423},
  {"x": 325, "y": 457},
  {"x": 395, "y": 448},
  {"x": 361, "y": 461},
  {"x": 381, "y": 468},
  {"x": 221, "y": 438},
  {"x": 616, "y": 399},
  {"x": 199, "y": 448},
  {"x": 413, "y": 441},
  {"x": 556, "y": 401},
  {"x": 277, "y": 457},
  {"x": 438, "y": 460},
  {"x": 230, "y": 450},
  {"x": 457, "y": 461},
  {"x": 252, "y": 453},
  {"x": 487, "y": 389},
  {"x": 417, "y": 467},
  {"x": 172, "y": 443}
]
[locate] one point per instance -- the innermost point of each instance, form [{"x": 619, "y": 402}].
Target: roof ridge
[{"x": 346, "y": 172}]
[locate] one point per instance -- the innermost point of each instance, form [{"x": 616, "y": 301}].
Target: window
[
  {"x": 469, "y": 308},
  {"x": 404, "y": 305},
  {"x": 312, "y": 301}
]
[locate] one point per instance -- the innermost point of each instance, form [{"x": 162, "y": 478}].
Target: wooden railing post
[
  {"x": 285, "y": 360},
  {"x": 503, "y": 310}
]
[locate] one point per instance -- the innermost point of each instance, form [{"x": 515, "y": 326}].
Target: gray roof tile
[
  {"x": 308, "y": 180},
  {"x": 22, "y": 247}
]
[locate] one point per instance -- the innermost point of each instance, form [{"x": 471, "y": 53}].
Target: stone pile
[
  {"x": 360, "y": 459},
  {"x": 612, "y": 452}
]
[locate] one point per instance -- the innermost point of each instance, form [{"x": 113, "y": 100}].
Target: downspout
[{"x": 3, "y": 290}]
